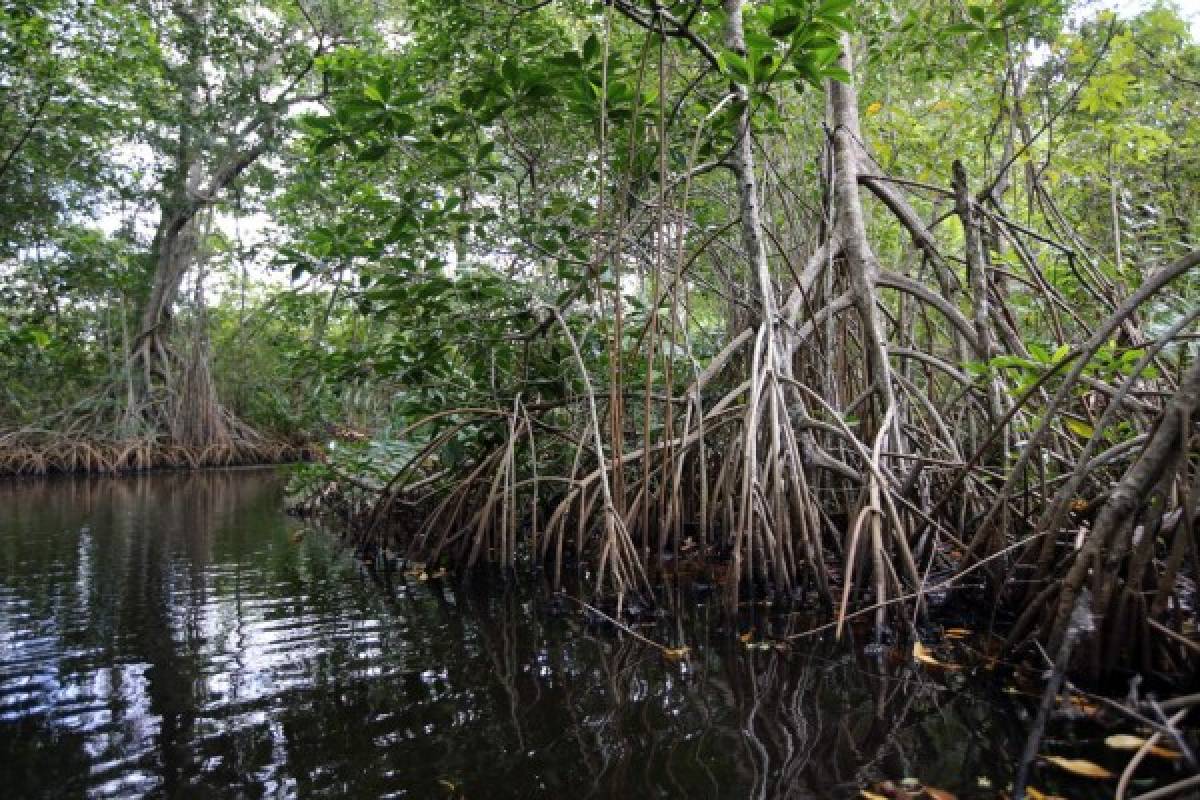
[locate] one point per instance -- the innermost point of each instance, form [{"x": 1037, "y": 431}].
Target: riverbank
[{"x": 48, "y": 453}]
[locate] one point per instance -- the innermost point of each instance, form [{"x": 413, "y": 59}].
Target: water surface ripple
[{"x": 169, "y": 636}]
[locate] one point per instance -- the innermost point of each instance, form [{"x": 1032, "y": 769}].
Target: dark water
[{"x": 169, "y": 636}]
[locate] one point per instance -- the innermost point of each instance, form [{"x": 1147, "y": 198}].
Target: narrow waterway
[{"x": 177, "y": 635}]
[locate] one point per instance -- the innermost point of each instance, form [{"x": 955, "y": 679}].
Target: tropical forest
[{"x": 600, "y": 398}]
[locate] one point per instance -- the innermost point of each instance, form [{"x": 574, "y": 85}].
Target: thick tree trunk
[{"x": 176, "y": 253}]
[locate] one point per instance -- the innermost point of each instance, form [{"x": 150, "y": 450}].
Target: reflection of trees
[
  {"x": 545, "y": 705},
  {"x": 231, "y": 660},
  {"x": 114, "y": 573}
]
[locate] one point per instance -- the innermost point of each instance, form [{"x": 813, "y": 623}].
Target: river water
[{"x": 176, "y": 635}]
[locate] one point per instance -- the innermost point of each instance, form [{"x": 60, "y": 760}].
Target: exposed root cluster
[{"x": 45, "y": 453}]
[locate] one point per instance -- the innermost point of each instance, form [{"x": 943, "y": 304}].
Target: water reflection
[{"x": 168, "y": 636}]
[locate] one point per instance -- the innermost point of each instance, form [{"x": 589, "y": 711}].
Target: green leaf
[
  {"x": 1079, "y": 428},
  {"x": 591, "y": 48},
  {"x": 511, "y": 72},
  {"x": 785, "y": 25},
  {"x": 1013, "y": 7},
  {"x": 838, "y": 74},
  {"x": 374, "y": 153},
  {"x": 830, "y": 7},
  {"x": 735, "y": 66}
]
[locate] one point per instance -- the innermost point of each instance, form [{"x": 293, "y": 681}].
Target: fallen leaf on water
[
  {"x": 1081, "y": 704},
  {"x": 957, "y": 633},
  {"x": 675, "y": 653},
  {"x": 1079, "y": 766},
  {"x": 939, "y": 794},
  {"x": 1037, "y": 794},
  {"x": 1125, "y": 741},
  {"x": 745, "y": 638},
  {"x": 870, "y": 795},
  {"x": 922, "y": 655}
]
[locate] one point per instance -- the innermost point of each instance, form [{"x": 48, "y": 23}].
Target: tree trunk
[{"x": 861, "y": 264}]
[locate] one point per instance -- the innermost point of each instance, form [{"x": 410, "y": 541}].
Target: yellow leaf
[
  {"x": 939, "y": 794},
  {"x": 675, "y": 653},
  {"x": 1080, "y": 704},
  {"x": 1078, "y": 766},
  {"x": 870, "y": 795},
  {"x": 1125, "y": 741},
  {"x": 942, "y": 105},
  {"x": 874, "y": 108},
  {"x": 922, "y": 655},
  {"x": 745, "y": 638},
  {"x": 957, "y": 633},
  {"x": 1038, "y": 794}
]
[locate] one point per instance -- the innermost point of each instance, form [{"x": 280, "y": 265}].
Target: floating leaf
[
  {"x": 1125, "y": 741},
  {"x": 922, "y": 654},
  {"x": 1038, "y": 794},
  {"x": 675, "y": 653},
  {"x": 939, "y": 794},
  {"x": 1080, "y": 704},
  {"x": 957, "y": 633},
  {"x": 1080, "y": 767},
  {"x": 870, "y": 795}
]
